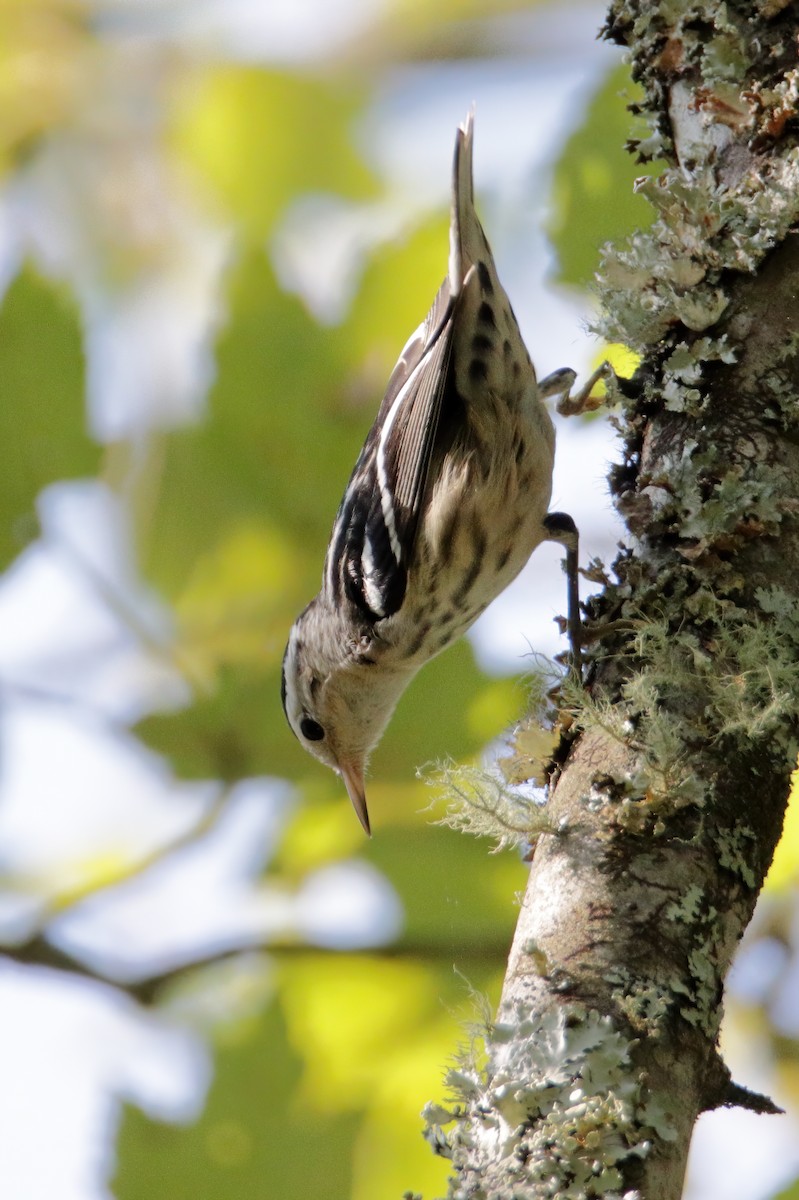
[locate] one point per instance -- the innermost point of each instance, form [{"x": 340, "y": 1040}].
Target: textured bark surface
[{"x": 669, "y": 801}]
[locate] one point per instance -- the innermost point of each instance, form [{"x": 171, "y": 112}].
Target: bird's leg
[
  {"x": 560, "y": 383},
  {"x": 561, "y": 528},
  {"x": 573, "y": 619}
]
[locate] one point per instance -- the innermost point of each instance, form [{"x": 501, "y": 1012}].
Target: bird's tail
[{"x": 464, "y": 232}]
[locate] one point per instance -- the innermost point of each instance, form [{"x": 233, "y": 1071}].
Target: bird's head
[{"x": 338, "y": 695}]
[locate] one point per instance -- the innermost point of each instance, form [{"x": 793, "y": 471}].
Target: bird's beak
[{"x": 352, "y": 774}]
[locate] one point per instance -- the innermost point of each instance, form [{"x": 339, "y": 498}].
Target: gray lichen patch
[{"x": 556, "y": 1111}]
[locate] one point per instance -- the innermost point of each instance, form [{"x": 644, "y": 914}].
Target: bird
[{"x": 448, "y": 499}]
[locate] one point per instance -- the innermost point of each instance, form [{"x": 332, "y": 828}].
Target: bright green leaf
[
  {"x": 42, "y": 414},
  {"x": 252, "y": 1141},
  {"x": 784, "y": 870},
  {"x": 593, "y": 200},
  {"x": 457, "y": 898},
  {"x": 261, "y": 138}
]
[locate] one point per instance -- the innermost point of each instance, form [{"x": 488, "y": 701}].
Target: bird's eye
[{"x": 311, "y": 730}]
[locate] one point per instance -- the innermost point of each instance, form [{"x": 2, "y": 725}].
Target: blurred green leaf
[
  {"x": 253, "y": 456},
  {"x": 413, "y": 30},
  {"x": 397, "y": 288},
  {"x": 261, "y": 138},
  {"x": 458, "y": 899},
  {"x": 374, "y": 1032},
  {"x": 44, "y": 48},
  {"x": 320, "y": 1093},
  {"x": 593, "y": 200},
  {"x": 252, "y": 1141},
  {"x": 42, "y": 414},
  {"x": 228, "y": 733},
  {"x": 288, "y": 414},
  {"x": 789, "y": 1193},
  {"x": 784, "y": 870}
]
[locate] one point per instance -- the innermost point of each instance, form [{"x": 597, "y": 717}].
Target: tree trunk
[{"x": 669, "y": 800}]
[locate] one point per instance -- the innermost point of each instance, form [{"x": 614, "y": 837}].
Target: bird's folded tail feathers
[{"x": 463, "y": 218}]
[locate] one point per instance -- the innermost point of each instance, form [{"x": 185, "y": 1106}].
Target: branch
[
  {"x": 669, "y": 802},
  {"x": 61, "y": 902},
  {"x": 149, "y": 987}
]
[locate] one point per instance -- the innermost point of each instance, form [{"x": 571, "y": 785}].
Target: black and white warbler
[{"x": 447, "y": 501}]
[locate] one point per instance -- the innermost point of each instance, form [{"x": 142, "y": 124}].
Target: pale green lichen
[
  {"x": 480, "y": 803},
  {"x": 660, "y": 1114},
  {"x": 670, "y": 275},
  {"x": 684, "y": 369},
  {"x": 689, "y": 906},
  {"x": 711, "y": 33},
  {"x": 702, "y": 990},
  {"x": 697, "y": 993},
  {"x": 735, "y": 850},
  {"x": 789, "y": 348},
  {"x": 538, "y": 957},
  {"x": 743, "y": 684},
  {"x": 645, "y": 1002},
  {"x": 557, "y": 1109},
  {"x": 660, "y": 779},
  {"x": 734, "y": 686}
]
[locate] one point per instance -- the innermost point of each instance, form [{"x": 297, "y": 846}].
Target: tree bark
[{"x": 669, "y": 798}]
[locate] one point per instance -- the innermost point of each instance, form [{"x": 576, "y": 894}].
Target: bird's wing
[{"x": 375, "y": 531}]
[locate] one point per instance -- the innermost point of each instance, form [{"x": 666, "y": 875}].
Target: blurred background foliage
[{"x": 179, "y": 419}]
